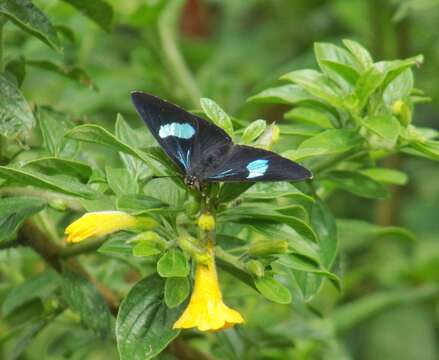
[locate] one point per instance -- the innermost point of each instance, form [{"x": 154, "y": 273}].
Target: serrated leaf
[
  {"x": 358, "y": 184},
  {"x": 253, "y": 131},
  {"x": 173, "y": 264},
  {"x": 85, "y": 299},
  {"x": 31, "y": 19},
  {"x": 217, "y": 115},
  {"x": 15, "y": 210},
  {"x": 60, "y": 183},
  {"x": 40, "y": 286},
  {"x": 144, "y": 322},
  {"x": 329, "y": 142},
  {"x": 97, "y": 10},
  {"x": 176, "y": 291},
  {"x": 16, "y": 118},
  {"x": 273, "y": 290}
]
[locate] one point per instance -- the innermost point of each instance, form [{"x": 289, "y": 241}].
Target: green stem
[
  {"x": 167, "y": 31},
  {"x": 2, "y": 23}
]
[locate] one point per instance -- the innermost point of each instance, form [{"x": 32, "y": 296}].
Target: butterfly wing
[
  {"x": 245, "y": 163},
  {"x": 183, "y": 136}
]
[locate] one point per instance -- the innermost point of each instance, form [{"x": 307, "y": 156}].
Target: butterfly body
[{"x": 205, "y": 153}]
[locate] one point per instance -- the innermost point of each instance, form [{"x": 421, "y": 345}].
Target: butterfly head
[{"x": 192, "y": 182}]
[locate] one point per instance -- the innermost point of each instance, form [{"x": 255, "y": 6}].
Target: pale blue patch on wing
[
  {"x": 257, "y": 168},
  {"x": 182, "y": 131}
]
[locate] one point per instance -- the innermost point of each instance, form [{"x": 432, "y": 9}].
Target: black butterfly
[{"x": 205, "y": 153}]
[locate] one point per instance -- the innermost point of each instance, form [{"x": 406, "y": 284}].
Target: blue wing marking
[
  {"x": 222, "y": 174},
  {"x": 182, "y": 131},
  {"x": 257, "y": 168},
  {"x": 184, "y": 159}
]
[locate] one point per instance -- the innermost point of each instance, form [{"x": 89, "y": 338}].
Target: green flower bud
[
  {"x": 267, "y": 248},
  {"x": 255, "y": 267}
]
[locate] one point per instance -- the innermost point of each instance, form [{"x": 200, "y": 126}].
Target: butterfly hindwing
[
  {"x": 184, "y": 136},
  {"x": 245, "y": 163}
]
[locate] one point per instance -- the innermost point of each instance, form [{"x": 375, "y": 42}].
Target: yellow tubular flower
[
  {"x": 99, "y": 224},
  {"x": 206, "y": 310}
]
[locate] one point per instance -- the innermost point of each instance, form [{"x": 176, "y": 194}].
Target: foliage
[{"x": 302, "y": 267}]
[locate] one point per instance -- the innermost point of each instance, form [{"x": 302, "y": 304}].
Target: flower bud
[
  {"x": 255, "y": 267},
  {"x": 267, "y": 248},
  {"x": 402, "y": 110},
  {"x": 206, "y": 222}
]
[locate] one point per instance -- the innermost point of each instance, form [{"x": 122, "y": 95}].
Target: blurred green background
[{"x": 231, "y": 50}]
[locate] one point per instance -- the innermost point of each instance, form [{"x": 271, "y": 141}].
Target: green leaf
[
  {"x": 367, "y": 84},
  {"x": 251, "y": 214},
  {"x": 273, "y": 290},
  {"x": 54, "y": 165},
  {"x": 98, "y": 135},
  {"x": 117, "y": 245},
  {"x": 386, "y": 127},
  {"x": 16, "y": 118},
  {"x": 324, "y": 224},
  {"x": 386, "y": 176},
  {"x": 217, "y": 115},
  {"x": 121, "y": 181},
  {"x": 84, "y": 299},
  {"x": 97, "y": 10},
  {"x": 361, "y": 55},
  {"x": 145, "y": 248},
  {"x": 299, "y": 263},
  {"x": 31, "y": 19},
  {"x": 53, "y": 126},
  {"x": 276, "y": 190},
  {"x": 173, "y": 264},
  {"x": 229, "y": 192},
  {"x": 143, "y": 204},
  {"x": 60, "y": 183},
  {"x": 286, "y": 94},
  {"x": 253, "y": 131},
  {"x": 17, "y": 68},
  {"x": 40, "y": 286},
  {"x": 306, "y": 130},
  {"x": 144, "y": 322},
  {"x": 127, "y": 135},
  {"x": 394, "y": 68},
  {"x": 176, "y": 290},
  {"x": 337, "y": 63},
  {"x": 166, "y": 191},
  {"x": 311, "y": 116},
  {"x": 358, "y": 184},
  {"x": 317, "y": 84},
  {"x": 400, "y": 88},
  {"x": 329, "y": 142},
  {"x": 74, "y": 73},
  {"x": 15, "y": 210},
  {"x": 429, "y": 148}
]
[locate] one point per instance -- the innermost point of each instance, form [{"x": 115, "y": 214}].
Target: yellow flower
[
  {"x": 206, "y": 222},
  {"x": 206, "y": 310},
  {"x": 103, "y": 223}
]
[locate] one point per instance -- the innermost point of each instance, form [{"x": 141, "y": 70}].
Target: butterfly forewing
[{"x": 184, "y": 136}]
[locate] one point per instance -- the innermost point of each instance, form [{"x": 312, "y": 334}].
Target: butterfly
[{"x": 205, "y": 153}]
